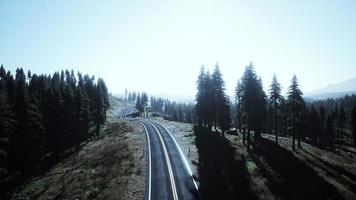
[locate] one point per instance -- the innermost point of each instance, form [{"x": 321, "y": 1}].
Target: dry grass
[
  {"x": 258, "y": 183},
  {"x": 278, "y": 172},
  {"x": 335, "y": 165}
]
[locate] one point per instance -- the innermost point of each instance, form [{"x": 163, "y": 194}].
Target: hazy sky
[{"x": 159, "y": 46}]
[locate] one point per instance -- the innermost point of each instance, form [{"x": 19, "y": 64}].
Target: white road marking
[
  {"x": 149, "y": 161},
  {"x": 170, "y": 171},
  {"x": 182, "y": 155}
]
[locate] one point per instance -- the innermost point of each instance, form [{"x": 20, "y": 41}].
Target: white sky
[{"x": 159, "y": 46}]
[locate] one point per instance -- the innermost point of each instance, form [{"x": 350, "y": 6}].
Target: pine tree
[
  {"x": 99, "y": 111},
  {"x": 314, "y": 124},
  {"x": 322, "y": 114},
  {"x": 224, "y": 115},
  {"x": 104, "y": 93},
  {"x": 134, "y": 96},
  {"x": 270, "y": 120},
  {"x": 216, "y": 87},
  {"x": 175, "y": 116},
  {"x": 2, "y": 73},
  {"x": 144, "y": 103},
  {"x": 341, "y": 122},
  {"x": 138, "y": 104},
  {"x": 284, "y": 116},
  {"x": 238, "y": 96},
  {"x": 253, "y": 103},
  {"x": 10, "y": 85},
  {"x": 34, "y": 136},
  {"x": 42, "y": 115},
  {"x": 249, "y": 82},
  {"x": 296, "y": 108},
  {"x": 329, "y": 129},
  {"x": 241, "y": 118},
  {"x": 82, "y": 112},
  {"x": 68, "y": 109},
  {"x": 209, "y": 103},
  {"x": 275, "y": 97},
  {"x": 7, "y": 128},
  {"x": 201, "y": 97},
  {"x": 20, "y": 111},
  {"x": 353, "y": 123},
  {"x": 220, "y": 102},
  {"x": 260, "y": 110},
  {"x": 129, "y": 98}
]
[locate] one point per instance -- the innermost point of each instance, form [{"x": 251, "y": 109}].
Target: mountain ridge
[{"x": 343, "y": 86}]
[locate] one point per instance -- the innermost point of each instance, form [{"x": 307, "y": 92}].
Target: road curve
[{"x": 169, "y": 175}]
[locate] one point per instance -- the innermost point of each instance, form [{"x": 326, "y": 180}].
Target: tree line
[
  {"x": 142, "y": 103},
  {"x": 141, "y": 100},
  {"x": 213, "y": 105},
  {"x": 255, "y": 112},
  {"x": 131, "y": 96},
  {"x": 41, "y": 116},
  {"x": 168, "y": 109},
  {"x": 172, "y": 110},
  {"x": 333, "y": 120}
]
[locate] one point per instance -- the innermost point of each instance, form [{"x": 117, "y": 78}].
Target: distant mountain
[
  {"x": 333, "y": 95},
  {"x": 334, "y": 90}
]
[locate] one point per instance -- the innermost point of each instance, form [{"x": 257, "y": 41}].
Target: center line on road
[
  {"x": 181, "y": 155},
  {"x": 170, "y": 171}
]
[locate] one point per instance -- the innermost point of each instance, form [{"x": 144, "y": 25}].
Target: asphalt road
[{"x": 169, "y": 175}]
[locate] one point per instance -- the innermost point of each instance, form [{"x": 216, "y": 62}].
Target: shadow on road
[{"x": 222, "y": 175}]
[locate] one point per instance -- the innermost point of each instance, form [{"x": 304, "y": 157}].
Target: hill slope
[{"x": 111, "y": 167}]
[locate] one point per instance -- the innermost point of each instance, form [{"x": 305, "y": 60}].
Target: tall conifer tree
[
  {"x": 296, "y": 108},
  {"x": 274, "y": 99}
]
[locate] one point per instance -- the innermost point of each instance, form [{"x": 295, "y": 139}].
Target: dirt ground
[
  {"x": 335, "y": 165},
  {"x": 112, "y": 167},
  {"x": 258, "y": 183},
  {"x": 278, "y": 172}
]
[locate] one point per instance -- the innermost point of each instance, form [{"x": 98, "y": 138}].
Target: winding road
[{"x": 169, "y": 175}]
